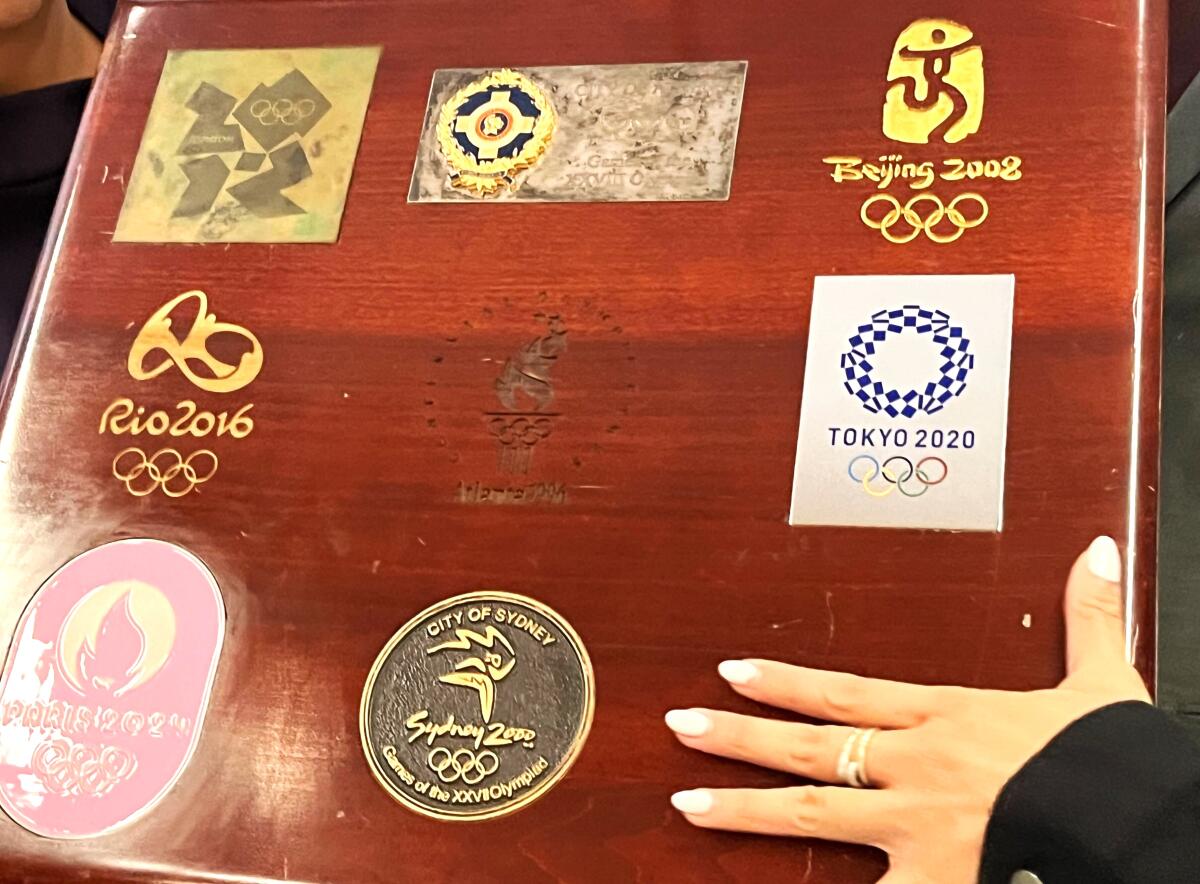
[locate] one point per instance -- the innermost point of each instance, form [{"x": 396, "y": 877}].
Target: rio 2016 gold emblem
[
  {"x": 477, "y": 706},
  {"x": 175, "y": 336},
  {"x": 492, "y": 129}
]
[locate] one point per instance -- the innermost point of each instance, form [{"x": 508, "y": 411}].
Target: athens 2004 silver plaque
[{"x": 588, "y": 133}]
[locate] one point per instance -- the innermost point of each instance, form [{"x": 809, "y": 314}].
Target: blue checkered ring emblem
[{"x": 877, "y": 397}]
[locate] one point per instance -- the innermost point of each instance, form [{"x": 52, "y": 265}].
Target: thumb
[{"x": 1093, "y": 609}]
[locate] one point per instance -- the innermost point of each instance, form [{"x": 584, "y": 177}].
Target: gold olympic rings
[
  {"x": 917, "y": 224},
  {"x": 463, "y": 764},
  {"x": 167, "y": 469}
]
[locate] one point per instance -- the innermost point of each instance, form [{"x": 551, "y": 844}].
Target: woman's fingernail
[
  {"x": 738, "y": 671},
  {"x": 1104, "y": 559},
  {"x": 694, "y": 801},
  {"x": 688, "y": 722}
]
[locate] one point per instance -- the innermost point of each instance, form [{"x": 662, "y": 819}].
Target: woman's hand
[{"x": 940, "y": 755}]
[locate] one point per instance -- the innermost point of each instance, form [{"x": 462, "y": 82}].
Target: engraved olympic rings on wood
[
  {"x": 897, "y": 479},
  {"x": 525, "y": 430},
  {"x": 917, "y": 223},
  {"x": 68, "y": 768},
  {"x": 282, "y": 111},
  {"x": 463, "y": 764},
  {"x": 167, "y": 469}
]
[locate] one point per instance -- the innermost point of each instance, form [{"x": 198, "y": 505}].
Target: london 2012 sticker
[
  {"x": 904, "y": 413},
  {"x": 249, "y": 145}
]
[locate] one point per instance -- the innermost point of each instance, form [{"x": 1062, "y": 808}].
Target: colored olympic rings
[
  {"x": 463, "y": 764},
  {"x": 898, "y": 474},
  {"x": 166, "y": 469},
  {"x": 282, "y": 111},
  {"x": 69, "y": 769},
  {"x": 918, "y": 224}
]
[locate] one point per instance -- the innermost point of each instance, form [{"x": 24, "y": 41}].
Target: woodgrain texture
[{"x": 337, "y": 518}]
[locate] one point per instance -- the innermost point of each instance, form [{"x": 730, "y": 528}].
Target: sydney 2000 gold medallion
[{"x": 477, "y": 706}]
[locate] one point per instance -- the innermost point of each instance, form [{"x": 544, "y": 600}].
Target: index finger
[{"x": 831, "y": 696}]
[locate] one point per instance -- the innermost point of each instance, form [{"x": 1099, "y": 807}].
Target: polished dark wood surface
[{"x": 336, "y": 520}]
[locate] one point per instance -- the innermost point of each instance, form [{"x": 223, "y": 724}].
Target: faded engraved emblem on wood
[{"x": 542, "y": 386}]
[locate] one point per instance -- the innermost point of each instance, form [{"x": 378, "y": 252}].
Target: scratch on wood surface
[
  {"x": 808, "y": 863},
  {"x": 1098, "y": 21},
  {"x": 832, "y": 619},
  {"x": 785, "y": 623},
  {"x": 1087, "y": 18}
]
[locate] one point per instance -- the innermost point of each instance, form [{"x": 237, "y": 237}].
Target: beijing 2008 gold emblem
[
  {"x": 492, "y": 129},
  {"x": 933, "y": 95},
  {"x": 477, "y": 706}
]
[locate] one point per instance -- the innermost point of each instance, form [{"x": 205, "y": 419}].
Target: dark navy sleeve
[{"x": 1113, "y": 799}]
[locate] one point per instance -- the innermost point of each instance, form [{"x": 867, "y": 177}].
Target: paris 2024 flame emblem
[
  {"x": 935, "y": 84},
  {"x": 97, "y": 619},
  {"x": 105, "y": 687}
]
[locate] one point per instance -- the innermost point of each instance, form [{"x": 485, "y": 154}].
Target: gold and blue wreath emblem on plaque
[{"x": 494, "y": 128}]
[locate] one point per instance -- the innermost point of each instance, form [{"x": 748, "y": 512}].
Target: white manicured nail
[
  {"x": 689, "y": 722},
  {"x": 738, "y": 671},
  {"x": 1104, "y": 559},
  {"x": 694, "y": 801}
]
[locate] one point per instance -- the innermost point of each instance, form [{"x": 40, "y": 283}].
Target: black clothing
[
  {"x": 37, "y": 130},
  {"x": 1113, "y": 799}
]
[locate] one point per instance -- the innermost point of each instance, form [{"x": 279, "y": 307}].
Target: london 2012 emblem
[
  {"x": 492, "y": 129},
  {"x": 477, "y": 706}
]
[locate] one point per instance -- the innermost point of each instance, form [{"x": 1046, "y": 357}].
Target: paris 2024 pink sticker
[{"x": 105, "y": 687}]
